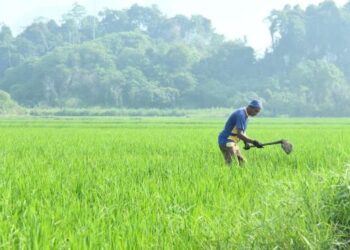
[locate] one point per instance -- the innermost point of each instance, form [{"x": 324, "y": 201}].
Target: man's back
[{"x": 237, "y": 120}]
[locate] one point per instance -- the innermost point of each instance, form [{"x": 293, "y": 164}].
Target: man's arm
[
  {"x": 246, "y": 139},
  {"x": 243, "y": 137}
]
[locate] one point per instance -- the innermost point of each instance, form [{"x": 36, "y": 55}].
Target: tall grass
[{"x": 161, "y": 183}]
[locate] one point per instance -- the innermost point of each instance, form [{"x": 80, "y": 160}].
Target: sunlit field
[{"x": 162, "y": 184}]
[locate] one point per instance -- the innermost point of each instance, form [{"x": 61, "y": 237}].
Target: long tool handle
[
  {"x": 273, "y": 143},
  {"x": 268, "y": 143}
]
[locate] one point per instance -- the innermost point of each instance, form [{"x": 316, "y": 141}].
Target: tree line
[{"x": 140, "y": 58}]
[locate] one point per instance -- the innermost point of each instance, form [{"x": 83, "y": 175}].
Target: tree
[
  {"x": 288, "y": 36},
  {"x": 147, "y": 19},
  {"x": 139, "y": 58},
  {"x": 114, "y": 21},
  {"x": 231, "y": 61},
  {"x": 183, "y": 82},
  {"x": 89, "y": 28},
  {"x": 72, "y": 22},
  {"x": 130, "y": 57},
  {"x": 6, "y": 49},
  {"x": 321, "y": 83},
  {"x": 177, "y": 58},
  {"x": 9, "y": 106}
]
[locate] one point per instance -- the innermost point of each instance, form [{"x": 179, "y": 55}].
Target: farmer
[{"x": 234, "y": 131}]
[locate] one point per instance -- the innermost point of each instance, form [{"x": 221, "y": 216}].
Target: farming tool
[{"x": 286, "y": 146}]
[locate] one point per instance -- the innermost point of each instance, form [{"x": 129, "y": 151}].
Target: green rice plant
[
  {"x": 337, "y": 204},
  {"x": 161, "y": 183}
]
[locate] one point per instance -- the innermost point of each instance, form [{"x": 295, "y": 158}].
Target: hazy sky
[{"x": 233, "y": 18}]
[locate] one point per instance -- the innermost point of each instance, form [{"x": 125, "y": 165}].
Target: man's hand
[
  {"x": 246, "y": 146},
  {"x": 257, "y": 144}
]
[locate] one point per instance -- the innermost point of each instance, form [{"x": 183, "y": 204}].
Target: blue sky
[{"x": 233, "y": 18}]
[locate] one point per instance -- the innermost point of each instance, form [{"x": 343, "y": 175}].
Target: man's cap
[{"x": 255, "y": 104}]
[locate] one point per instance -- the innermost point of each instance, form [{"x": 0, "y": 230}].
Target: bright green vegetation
[{"x": 161, "y": 183}]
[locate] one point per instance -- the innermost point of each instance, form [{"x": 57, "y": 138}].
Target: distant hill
[{"x": 139, "y": 58}]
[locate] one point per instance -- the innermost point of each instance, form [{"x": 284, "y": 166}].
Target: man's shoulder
[{"x": 239, "y": 112}]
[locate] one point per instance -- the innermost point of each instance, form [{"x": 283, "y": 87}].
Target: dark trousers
[{"x": 230, "y": 151}]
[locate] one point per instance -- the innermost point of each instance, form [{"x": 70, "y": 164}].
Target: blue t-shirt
[{"x": 238, "y": 120}]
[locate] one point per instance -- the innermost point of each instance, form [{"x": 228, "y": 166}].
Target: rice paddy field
[{"x": 161, "y": 183}]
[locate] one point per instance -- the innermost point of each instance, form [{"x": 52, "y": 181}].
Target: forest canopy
[{"x": 140, "y": 58}]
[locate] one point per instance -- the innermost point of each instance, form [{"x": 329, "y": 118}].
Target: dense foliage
[{"x": 140, "y": 58}]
